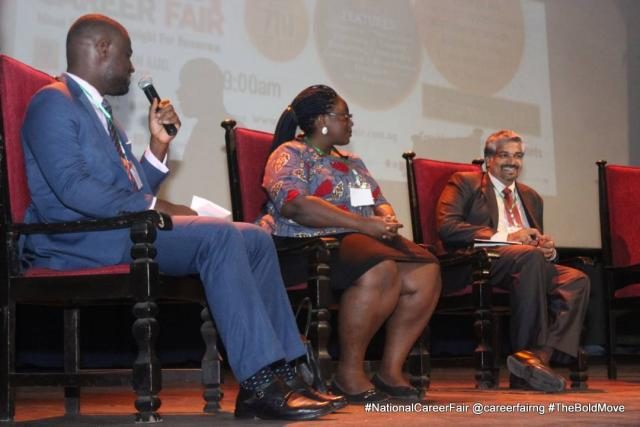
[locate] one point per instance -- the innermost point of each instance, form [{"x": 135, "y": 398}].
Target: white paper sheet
[{"x": 206, "y": 207}]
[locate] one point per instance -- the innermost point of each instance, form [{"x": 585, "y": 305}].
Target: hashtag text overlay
[{"x": 493, "y": 408}]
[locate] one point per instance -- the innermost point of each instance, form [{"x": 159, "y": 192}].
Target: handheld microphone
[{"x": 146, "y": 84}]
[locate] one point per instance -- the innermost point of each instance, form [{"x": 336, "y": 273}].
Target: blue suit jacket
[{"x": 75, "y": 173}]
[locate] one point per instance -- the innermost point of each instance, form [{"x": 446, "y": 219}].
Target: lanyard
[
  {"x": 109, "y": 118},
  {"x": 98, "y": 105},
  {"x": 359, "y": 183}
]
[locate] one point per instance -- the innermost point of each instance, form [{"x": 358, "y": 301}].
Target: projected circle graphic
[
  {"x": 277, "y": 28},
  {"x": 370, "y": 49},
  {"x": 477, "y": 45}
]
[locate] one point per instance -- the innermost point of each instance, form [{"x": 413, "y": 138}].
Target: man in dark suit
[
  {"x": 80, "y": 166},
  {"x": 548, "y": 301}
]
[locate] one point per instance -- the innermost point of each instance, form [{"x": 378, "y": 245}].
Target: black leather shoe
[
  {"x": 405, "y": 393},
  {"x": 368, "y": 396},
  {"x": 276, "y": 400},
  {"x": 298, "y": 385},
  {"x": 516, "y": 383},
  {"x": 528, "y": 367}
]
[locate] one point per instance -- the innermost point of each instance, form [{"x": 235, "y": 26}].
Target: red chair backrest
[
  {"x": 623, "y": 201},
  {"x": 252, "y": 152},
  {"x": 18, "y": 83},
  {"x": 431, "y": 177}
]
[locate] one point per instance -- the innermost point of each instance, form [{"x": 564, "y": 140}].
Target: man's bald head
[
  {"x": 85, "y": 32},
  {"x": 99, "y": 51}
]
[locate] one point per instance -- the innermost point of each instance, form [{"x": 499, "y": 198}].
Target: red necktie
[
  {"x": 116, "y": 141},
  {"x": 511, "y": 209}
]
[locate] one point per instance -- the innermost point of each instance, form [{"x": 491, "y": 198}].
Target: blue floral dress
[{"x": 296, "y": 169}]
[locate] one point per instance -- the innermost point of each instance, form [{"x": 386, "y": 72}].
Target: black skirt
[{"x": 358, "y": 253}]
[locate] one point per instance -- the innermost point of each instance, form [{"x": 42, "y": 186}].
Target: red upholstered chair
[
  {"x": 465, "y": 273},
  {"x": 619, "y": 195},
  {"x": 138, "y": 284},
  {"x": 247, "y": 154}
]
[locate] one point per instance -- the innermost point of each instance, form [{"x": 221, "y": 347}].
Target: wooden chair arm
[{"x": 159, "y": 220}]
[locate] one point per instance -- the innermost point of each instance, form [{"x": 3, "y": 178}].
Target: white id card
[
  {"x": 361, "y": 196},
  {"x": 136, "y": 176}
]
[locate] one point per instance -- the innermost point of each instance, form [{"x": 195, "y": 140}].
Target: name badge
[
  {"x": 361, "y": 196},
  {"x": 136, "y": 176}
]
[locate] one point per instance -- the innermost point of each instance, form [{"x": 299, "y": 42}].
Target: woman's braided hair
[{"x": 312, "y": 102}]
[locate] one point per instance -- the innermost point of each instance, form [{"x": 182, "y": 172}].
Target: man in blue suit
[{"x": 80, "y": 166}]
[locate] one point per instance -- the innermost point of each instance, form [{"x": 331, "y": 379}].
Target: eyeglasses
[
  {"x": 346, "y": 116},
  {"x": 503, "y": 155}
]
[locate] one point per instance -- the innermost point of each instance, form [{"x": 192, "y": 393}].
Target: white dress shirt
[{"x": 504, "y": 229}]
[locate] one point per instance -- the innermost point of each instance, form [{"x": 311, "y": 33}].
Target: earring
[{"x": 324, "y": 130}]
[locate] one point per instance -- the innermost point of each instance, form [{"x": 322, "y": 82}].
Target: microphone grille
[{"x": 145, "y": 81}]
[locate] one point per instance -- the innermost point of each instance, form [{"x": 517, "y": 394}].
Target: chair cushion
[
  {"x": 630, "y": 291},
  {"x": 298, "y": 287},
  {"x": 469, "y": 288},
  {"x": 47, "y": 272}
]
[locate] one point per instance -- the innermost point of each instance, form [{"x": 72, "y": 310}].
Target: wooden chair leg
[
  {"x": 419, "y": 362},
  {"x": 7, "y": 360},
  {"x": 147, "y": 374},
  {"x": 320, "y": 330},
  {"x": 71, "y": 359},
  {"x": 147, "y": 381},
  {"x": 498, "y": 327},
  {"x": 319, "y": 335},
  {"x": 487, "y": 374},
  {"x": 579, "y": 374},
  {"x": 612, "y": 370},
  {"x": 211, "y": 375}
]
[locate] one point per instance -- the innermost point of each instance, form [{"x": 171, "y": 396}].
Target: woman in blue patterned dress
[{"x": 317, "y": 189}]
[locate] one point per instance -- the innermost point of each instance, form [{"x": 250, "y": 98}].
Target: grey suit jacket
[{"x": 468, "y": 210}]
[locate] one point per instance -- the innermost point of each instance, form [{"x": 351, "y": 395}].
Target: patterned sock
[
  {"x": 284, "y": 371},
  {"x": 260, "y": 378}
]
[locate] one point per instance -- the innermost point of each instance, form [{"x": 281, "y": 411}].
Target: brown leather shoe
[
  {"x": 276, "y": 400},
  {"x": 298, "y": 385},
  {"x": 528, "y": 367}
]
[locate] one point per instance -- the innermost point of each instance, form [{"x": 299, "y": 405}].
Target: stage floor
[{"x": 451, "y": 398}]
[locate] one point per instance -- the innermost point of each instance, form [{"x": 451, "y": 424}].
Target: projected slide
[{"x": 431, "y": 76}]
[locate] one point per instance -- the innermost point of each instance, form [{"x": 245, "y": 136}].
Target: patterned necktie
[
  {"x": 511, "y": 209},
  {"x": 116, "y": 141}
]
